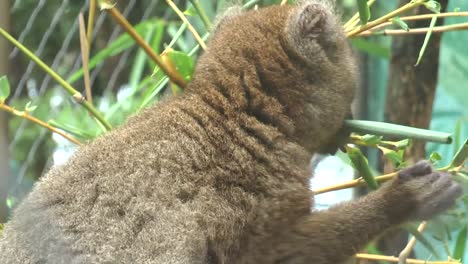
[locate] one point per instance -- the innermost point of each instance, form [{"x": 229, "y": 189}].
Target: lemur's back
[{"x": 178, "y": 184}]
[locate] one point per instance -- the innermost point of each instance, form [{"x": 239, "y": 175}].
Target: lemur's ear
[
  {"x": 311, "y": 20},
  {"x": 226, "y": 16}
]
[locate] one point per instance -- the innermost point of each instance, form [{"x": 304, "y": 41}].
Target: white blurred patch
[
  {"x": 63, "y": 151},
  {"x": 328, "y": 171}
]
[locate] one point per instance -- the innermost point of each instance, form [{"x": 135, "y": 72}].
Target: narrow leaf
[
  {"x": 154, "y": 91},
  {"x": 422, "y": 239},
  {"x": 364, "y": 11},
  {"x": 371, "y": 139},
  {"x": 426, "y": 39},
  {"x": 461, "y": 156},
  {"x": 460, "y": 245},
  {"x": 433, "y": 6},
  {"x": 361, "y": 164},
  {"x": 400, "y": 23},
  {"x": 190, "y": 11},
  {"x": 70, "y": 129},
  {"x": 119, "y": 45},
  {"x": 4, "y": 89},
  {"x": 396, "y": 157},
  {"x": 398, "y": 144}
]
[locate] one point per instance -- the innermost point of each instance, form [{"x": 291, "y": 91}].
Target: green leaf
[
  {"x": 190, "y": 11},
  {"x": 396, "y": 157},
  {"x": 371, "y": 139},
  {"x": 426, "y": 40},
  {"x": 420, "y": 237},
  {"x": 371, "y": 48},
  {"x": 361, "y": 164},
  {"x": 435, "y": 157},
  {"x": 364, "y": 11},
  {"x": 461, "y": 156},
  {"x": 460, "y": 245},
  {"x": 119, "y": 45},
  {"x": 30, "y": 107},
  {"x": 138, "y": 65},
  {"x": 372, "y": 249},
  {"x": 402, "y": 144},
  {"x": 74, "y": 130},
  {"x": 4, "y": 89},
  {"x": 157, "y": 39},
  {"x": 153, "y": 92},
  {"x": 182, "y": 62},
  {"x": 400, "y": 23},
  {"x": 433, "y": 6},
  {"x": 457, "y": 132}
]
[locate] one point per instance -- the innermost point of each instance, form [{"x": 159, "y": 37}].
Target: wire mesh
[{"x": 40, "y": 26}]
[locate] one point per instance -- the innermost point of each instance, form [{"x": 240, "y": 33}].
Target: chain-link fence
[{"x": 50, "y": 29}]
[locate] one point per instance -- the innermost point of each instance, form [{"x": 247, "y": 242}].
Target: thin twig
[
  {"x": 395, "y": 259},
  {"x": 430, "y": 16},
  {"x": 384, "y": 18},
  {"x": 173, "y": 75},
  {"x": 404, "y": 254},
  {"x": 284, "y": 2},
  {"x": 421, "y": 17},
  {"x": 185, "y": 20},
  {"x": 399, "y": 32},
  {"x": 354, "y": 183},
  {"x": 91, "y": 16},
  {"x": 85, "y": 58},
  {"x": 361, "y": 182},
  {"x": 72, "y": 91},
  {"x": 31, "y": 118}
]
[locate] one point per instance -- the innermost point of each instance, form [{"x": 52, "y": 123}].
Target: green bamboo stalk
[
  {"x": 399, "y": 131},
  {"x": 72, "y": 91}
]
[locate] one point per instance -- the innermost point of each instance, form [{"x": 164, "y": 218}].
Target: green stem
[
  {"x": 201, "y": 12},
  {"x": 177, "y": 35},
  {"x": 72, "y": 91},
  {"x": 386, "y": 129},
  {"x": 461, "y": 156},
  {"x": 197, "y": 47}
]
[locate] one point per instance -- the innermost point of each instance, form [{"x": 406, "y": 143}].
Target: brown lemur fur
[{"x": 220, "y": 174}]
